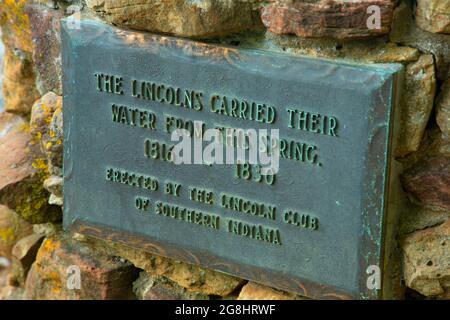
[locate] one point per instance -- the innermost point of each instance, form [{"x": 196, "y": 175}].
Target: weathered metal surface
[{"x": 340, "y": 194}]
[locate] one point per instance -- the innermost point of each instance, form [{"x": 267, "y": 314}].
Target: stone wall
[{"x": 35, "y": 252}]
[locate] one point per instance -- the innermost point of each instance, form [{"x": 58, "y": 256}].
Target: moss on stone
[
  {"x": 7, "y": 234},
  {"x": 32, "y": 202}
]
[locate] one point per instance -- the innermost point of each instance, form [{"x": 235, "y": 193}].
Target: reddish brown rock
[
  {"x": 326, "y": 18},
  {"x": 45, "y": 27},
  {"x": 15, "y": 156},
  {"x": 429, "y": 182},
  {"x": 255, "y": 291},
  {"x": 149, "y": 287},
  {"x": 427, "y": 261},
  {"x": 191, "y": 277},
  {"x": 21, "y": 174},
  {"x": 54, "y": 275}
]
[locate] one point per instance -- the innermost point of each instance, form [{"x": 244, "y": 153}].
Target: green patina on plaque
[{"x": 317, "y": 227}]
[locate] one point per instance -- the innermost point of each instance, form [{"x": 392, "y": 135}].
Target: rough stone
[
  {"x": 10, "y": 123},
  {"x": 429, "y": 182},
  {"x": 327, "y": 18},
  {"x": 148, "y": 287},
  {"x": 46, "y": 127},
  {"x": 433, "y": 15},
  {"x": 434, "y": 144},
  {"x": 443, "y": 109},
  {"x": 42, "y": 112},
  {"x": 54, "y": 273},
  {"x": 3, "y": 277},
  {"x": 47, "y": 229},
  {"x": 23, "y": 255},
  {"x": 27, "y": 247},
  {"x": 11, "y": 293},
  {"x": 22, "y": 174},
  {"x": 55, "y": 200},
  {"x": 180, "y": 17},
  {"x": 416, "y": 217},
  {"x": 19, "y": 91},
  {"x": 8, "y": 292},
  {"x": 15, "y": 25},
  {"x": 405, "y": 32},
  {"x": 191, "y": 277},
  {"x": 12, "y": 229},
  {"x": 45, "y": 27},
  {"x": 440, "y": 145},
  {"x": 54, "y": 146},
  {"x": 366, "y": 51},
  {"x": 255, "y": 291},
  {"x": 54, "y": 185},
  {"x": 426, "y": 261},
  {"x": 417, "y": 103},
  {"x": 4, "y": 263}
]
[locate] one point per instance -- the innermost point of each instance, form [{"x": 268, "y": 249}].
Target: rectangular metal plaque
[{"x": 314, "y": 228}]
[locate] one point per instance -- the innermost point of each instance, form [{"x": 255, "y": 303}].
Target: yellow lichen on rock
[
  {"x": 16, "y": 25},
  {"x": 19, "y": 88},
  {"x": 12, "y": 229},
  {"x": 48, "y": 247}
]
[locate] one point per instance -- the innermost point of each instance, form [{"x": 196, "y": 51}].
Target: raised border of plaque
[{"x": 88, "y": 209}]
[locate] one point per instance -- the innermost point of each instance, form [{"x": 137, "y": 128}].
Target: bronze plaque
[{"x": 315, "y": 226}]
